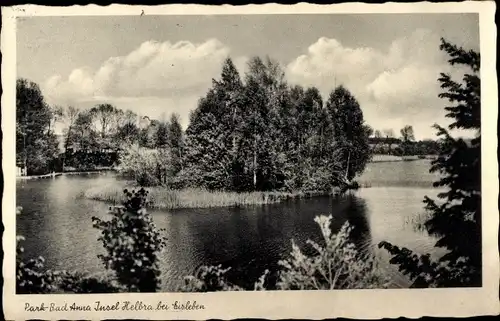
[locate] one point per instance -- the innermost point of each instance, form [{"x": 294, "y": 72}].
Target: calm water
[{"x": 57, "y": 225}]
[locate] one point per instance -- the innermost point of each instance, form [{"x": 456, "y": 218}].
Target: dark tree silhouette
[{"x": 457, "y": 220}]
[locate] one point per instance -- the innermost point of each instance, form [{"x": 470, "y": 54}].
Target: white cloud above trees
[
  {"x": 174, "y": 73},
  {"x": 395, "y": 86}
]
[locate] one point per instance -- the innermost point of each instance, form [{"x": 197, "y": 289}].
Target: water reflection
[{"x": 357, "y": 217}]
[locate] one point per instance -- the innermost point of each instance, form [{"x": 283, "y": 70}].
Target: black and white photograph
[{"x": 247, "y": 152}]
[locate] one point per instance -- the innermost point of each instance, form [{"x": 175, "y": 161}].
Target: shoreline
[
  {"x": 162, "y": 198},
  {"x": 56, "y": 174}
]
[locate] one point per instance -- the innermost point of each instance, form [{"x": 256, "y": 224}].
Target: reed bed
[
  {"x": 165, "y": 198},
  {"x": 417, "y": 221}
]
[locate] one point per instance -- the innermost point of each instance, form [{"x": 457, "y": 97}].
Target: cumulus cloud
[
  {"x": 395, "y": 86},
  {"x": 168, "y": 74}
]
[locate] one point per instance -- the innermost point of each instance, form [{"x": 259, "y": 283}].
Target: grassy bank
[{"x": 164, "y": 198}]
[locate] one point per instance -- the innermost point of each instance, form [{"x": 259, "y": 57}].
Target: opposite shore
[
  {"x": 376, "y": 158},
  {"x": 161, "y": 197},
  {"x": 76, "y": 172},
  {"x": 379, "y": 158}
]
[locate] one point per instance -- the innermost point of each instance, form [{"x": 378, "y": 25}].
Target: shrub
[
  {"x": 148, "y": 167},
  {"x": 132, "y": 244},
  {"x": 79, "y": 283},
  {"x": 208, "y": 279},
  {"x": 31, "y": 276},
  {"x": 337, "y": 265}
]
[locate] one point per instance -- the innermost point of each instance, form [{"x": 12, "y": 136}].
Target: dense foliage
[
  {"x": 132, "y": 244},
  {"x": 148, "y": 167},
  {"x": 336, "y": 265},
  {"x": 457, "y": 219},
  {"x": 36, "y": 143},
  {"x": 262, "y": 134},
  {"x": 349, "y": 131}
]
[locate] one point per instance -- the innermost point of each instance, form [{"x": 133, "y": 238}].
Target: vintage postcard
[{"x": 262, "y": 161}]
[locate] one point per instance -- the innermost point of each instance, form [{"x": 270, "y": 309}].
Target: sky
[{"x": 158, "y": 65}]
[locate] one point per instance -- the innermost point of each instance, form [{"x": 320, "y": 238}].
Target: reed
[
  {"x": 164, "y": 198},
  {"x": 417, "y": 221}
]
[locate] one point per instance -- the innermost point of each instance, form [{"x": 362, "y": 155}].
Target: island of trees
[
  {"x": 253, "y": 132},
  {"x": 250, "y": 133}
]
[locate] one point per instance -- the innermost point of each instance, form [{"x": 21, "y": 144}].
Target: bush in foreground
[
  {"x": 132, "y": 244},
  {"x": 336, "y": 265}
]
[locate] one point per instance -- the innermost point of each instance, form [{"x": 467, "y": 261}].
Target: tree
[
  {"x": 408, "y": 137},
  {"x": 457, "y": 220},
  {"x": 263, "y": 94},
  {"x": 83, "y": 142},
  {"x": 161, "y": 135},
  {"x": 148, "y": 167},
  {"x": 70, "y": 115},
  {"x": 36, "y": 143},
  {"x": 407, "y": 133},
  {"x": 208, "y": 161},
  {"x": 213, "y": 140},
  {"x": 389, "y": 135},
  {"x": 176, "y": 142},
  {"x": 264, "y": 135},
  {"x": 103, "y": 115},
  {"x": 57, "y": 114},
  {"x": 306, "y": 141},
  {"x": 350, "y": 132},
  {"x": 128, "y": 132},
  {"x": 132, "y": 244},
  {"x": 336, "y": 264},
  {"x": 230, "y": 90},
  {"x": 105, "y": 118},
  {"x": 147, "y": 132}
]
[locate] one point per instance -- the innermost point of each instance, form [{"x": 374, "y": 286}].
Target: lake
[{"x": 56, "y": 222}]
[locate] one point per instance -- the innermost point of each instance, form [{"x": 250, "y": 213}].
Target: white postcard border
[{"x": 361, "y": 304}]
